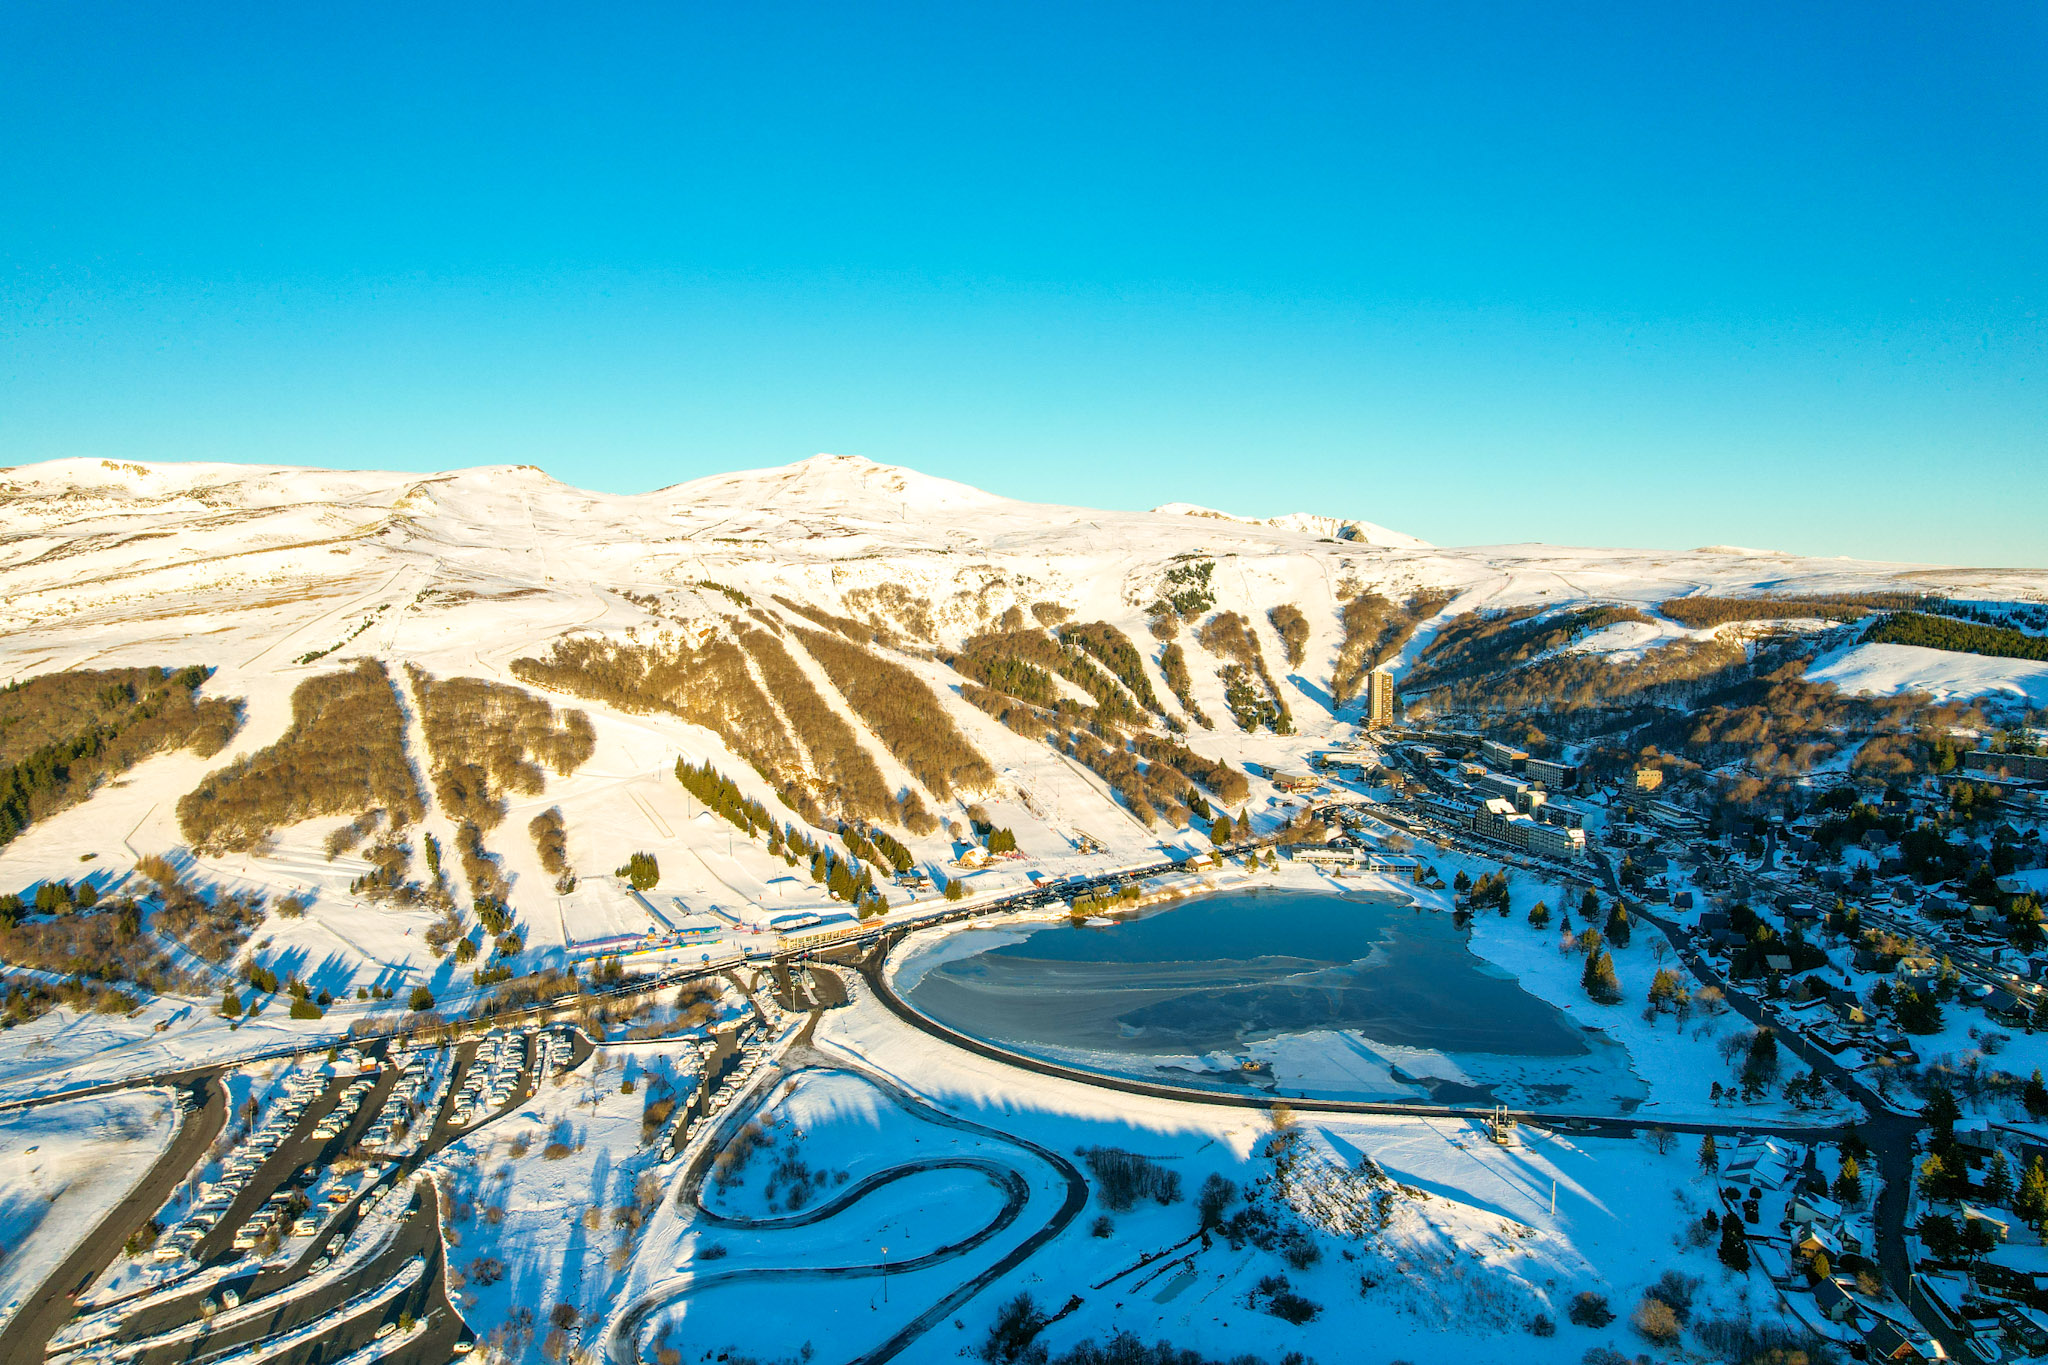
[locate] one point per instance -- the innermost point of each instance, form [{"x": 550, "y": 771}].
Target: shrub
[
  {"x": 1655, "y": 1320},
  {"x": 1013, "y": 1336},
  {"x": 1122, "y": 1178},
  {"x": 306, "y": 1009},
  {"x": 1676, "y": 1291},
  {"x": 1299, "y": 1249},
  {"x": 1590, "y": 1310},
  {"x": 1217, "y": 1195}
]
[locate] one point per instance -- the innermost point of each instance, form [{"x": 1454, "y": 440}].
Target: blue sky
[{"x": 1648, "y": 275}]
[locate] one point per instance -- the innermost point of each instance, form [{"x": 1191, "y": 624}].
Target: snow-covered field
[
  {"x": 63, "y": 1167},
  {"x": 1471, "y": 1251},
  {"x": 1942, "y": 673}
]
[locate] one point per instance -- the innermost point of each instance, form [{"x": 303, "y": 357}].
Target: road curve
[
  {"x": 52, "y": 1304},
  {"x": 622, "y": 1337}
]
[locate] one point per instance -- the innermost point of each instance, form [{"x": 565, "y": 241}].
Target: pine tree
[
  {"x": 2031, "y": 1203},
  {"x": 1220, "y": 832},
  {"x": 1589, "y": 905},
  {"x": 1734, "y": 1246},
  {"x": 1539, "y": 915},
  {"x": 1941, "y": 1110},
  {"x": 1618, "y": 929},
  {"x": 1710, "y": 1154},
  {"x": 2035, "y": 1095},
  {"x": 1849, "y": 1181},
  {"x": 1599, "y": 980},
  {"x": 1665, "y": 988},
  {"x": 1998, "y": 1186},
  {"x": 231, "y": 1004}
]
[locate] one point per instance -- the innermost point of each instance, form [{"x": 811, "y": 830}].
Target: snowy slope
[{"x": 250, "y": 569}]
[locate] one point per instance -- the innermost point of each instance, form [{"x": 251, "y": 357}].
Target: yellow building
[{"x": 1379, "y": 698}]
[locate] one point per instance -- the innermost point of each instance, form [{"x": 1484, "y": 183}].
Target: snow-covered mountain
[
  {"x": 1308, "y": 523},
  {"x": 680, "y": 604}
]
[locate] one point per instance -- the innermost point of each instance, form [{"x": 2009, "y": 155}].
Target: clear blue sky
[{"x": 1635, "y": 274}]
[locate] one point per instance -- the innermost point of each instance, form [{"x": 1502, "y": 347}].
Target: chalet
[
  {"x": 1812, "y": 1208},
  {"x": 2000, "y": 1225},
  {"x": 1814, "y": 1240},
  {"x": 2008, "y": 1005},
  {"x": 1884, "y": 1341},
  {"x": 1916, "y": 973},
  {"x": 1836, "y": 1303}
]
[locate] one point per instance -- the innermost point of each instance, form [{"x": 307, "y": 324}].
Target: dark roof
[{"x": 1886, "y": 1341}]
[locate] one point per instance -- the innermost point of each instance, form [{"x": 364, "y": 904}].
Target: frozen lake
[{"x": 1298, "y": 993}]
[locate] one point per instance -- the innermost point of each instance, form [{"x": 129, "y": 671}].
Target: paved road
[
  {"x": 621, "y": 1341},
  {"x": 300, "y": 1153},
  {"x": 53, "y": 1304},
  {"x": 1891, "y": 1136}
]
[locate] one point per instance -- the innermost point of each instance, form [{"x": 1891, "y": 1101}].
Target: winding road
[{"x": 623, "y": 1334}]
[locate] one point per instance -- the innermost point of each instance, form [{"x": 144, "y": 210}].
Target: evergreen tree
[
  {"x": 1941, "y": 1236},
  {"x": 1917, "y": 1012},
  {"x": 1589, "y": 905},
  {"x": 231, "y": 1004},
  {"x": 1710, "y": 1154},
  {"x": 1937, "y": 1181},
  {"x": 1539, "y": 915},
  {"x": 1760, "y": 1064},
  {"x": 1941, "y": 1110},
  {"x": 1998, "y": 1184},
  {"x": 2031, "y": 1203},
  {"x": 1618, "y": 929},
  {"x": 1849, "y": 1181},
  {"x": 1599, "y": 980},
  {"x": 1221, "y": 832},
  {"x": 1734, "y": 1246},
  {"x": 2035, "y": 1095},
  {"x": 1665, "y": 989}
]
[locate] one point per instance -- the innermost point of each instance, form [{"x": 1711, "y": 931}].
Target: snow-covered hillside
[{"x": 273, "y": 576}]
